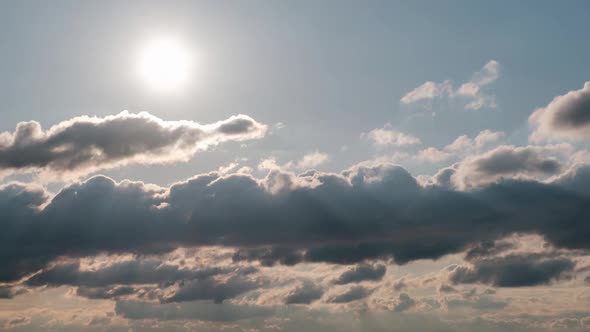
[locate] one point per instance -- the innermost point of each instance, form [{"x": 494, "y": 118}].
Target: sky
[{"x": 294, "y": 165}]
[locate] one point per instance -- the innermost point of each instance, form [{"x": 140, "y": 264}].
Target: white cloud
[
  {"x": 469, "y": 93},
  {"x": 312, "y": 160},
  {"x": 387, "y": 136},
  {"x": 460, "y": 146}
]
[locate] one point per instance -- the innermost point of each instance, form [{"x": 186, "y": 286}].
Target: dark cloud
[
  {"x": 566, "y": 117},
  {"x": 211, "y": 289},
  {"x": 400, "y": 284},
  {"x": 378, "y": 212},
  {"x": 487, "y": 248},
  {"x": 269, "y": 256},
  {"x": 444, "y": 288},
  {"x": 150, "y": 271},
  {"x": 352, "y": 294},
  {"x": 514, "y": 270},
  {"x": 305, "y": 293},
  {"x": 9, "y": 292},
  {"x": 85, "y": 144},
  {"x": 403, "y": 303},
  {"x": 361, "y": 273}
]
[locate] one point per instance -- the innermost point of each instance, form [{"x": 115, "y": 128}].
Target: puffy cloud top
[
  {"x": 360, "y": 214},
  {"x": 566, "y": 117}
]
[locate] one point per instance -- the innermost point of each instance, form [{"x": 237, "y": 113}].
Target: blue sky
[
  {"x": 331, "y": 165},
  {"x": 337, "y": 67}
]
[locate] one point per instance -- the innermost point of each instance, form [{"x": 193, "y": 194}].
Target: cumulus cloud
[
  {"x": 85, "y": 144},
  {"x": 470, "y": 93},
  {"x": 509, "y": 162},
  {"x": 363, "y": 272},
  {"x": 363, "y": 213},
  {"x": 566, "y": 117}
]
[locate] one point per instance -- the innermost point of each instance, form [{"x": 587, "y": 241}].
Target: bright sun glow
[{"x": 166, "y": 64}]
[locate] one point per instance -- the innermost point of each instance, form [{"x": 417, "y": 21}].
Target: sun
[{"x": 165, "y": 64}]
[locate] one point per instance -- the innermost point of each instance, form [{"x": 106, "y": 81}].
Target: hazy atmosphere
[{"x": 322, "y": 166}]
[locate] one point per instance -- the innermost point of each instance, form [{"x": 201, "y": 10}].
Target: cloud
[
  {"x": 107, "y": 292},
  {"x": 269, "y": 256},
  {"x": 312, "y": 160},
  {"x": 352, "y": 294},
  {"x": 308, "y": 161},
  {"x": 566, "y": 117},
  {"x": 433, "y": 155},
  {"x": 508, "y": 162},
  {"x": 363, "y": 272},
  {"x": 389, "y": 137},
  {"x": 211, "y": 289},
  {"x": 201, "y": 310},
  {"x": 403, "y": 303},
  {"x": 462, "y": 145},
  {"x": 305, "y": 293},
  {"x": 9, "y": 292},
  {"x": 150, "y": 271},
  {"x": 363, "y": 213},
  {"x": 514, "y": 270},
  {"x": 469, "y": 93},
  {"x": 86, "y": 144}
]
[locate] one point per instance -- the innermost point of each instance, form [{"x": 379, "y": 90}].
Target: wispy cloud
[{"x": 470, "y": 92}]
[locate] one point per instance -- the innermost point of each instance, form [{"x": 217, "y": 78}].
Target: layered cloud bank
[
  {"x": 86, "y": 144},
  {"x": 362, "y": 213}
]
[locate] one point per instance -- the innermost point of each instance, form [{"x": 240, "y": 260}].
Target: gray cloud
[
  {"x": 566, "y": 117},
  {"x": 363, "y": 213},
  {"x": 305, "y": 293},
  {"x": 269, "y": 256},
  {"x": 211, "y": 289},
  {"x": 487, "y": 248},
  {"x": 361, "y": 273},
  {"x": 352, "y": 294},
  {"x": 504, "y": 162},
  {"x": 9, "y": 292},
  {"x": 403, "y": 303},
  {"x": 85, "y": 144},
  {"x": 122, "y": 273},
  {"x": 514, "y": 270},
  {"x": 103, "y": 293},
  {"x": 201, "y": 310}
]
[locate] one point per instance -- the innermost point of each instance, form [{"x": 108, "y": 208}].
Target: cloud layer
[{"x": 359, "y": 214}]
